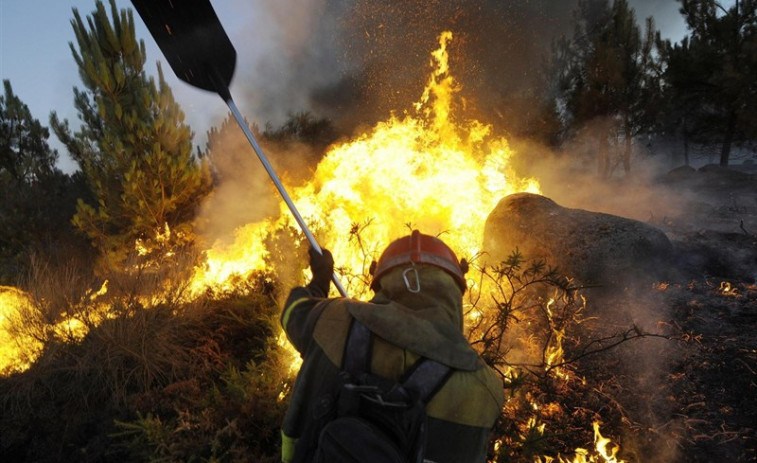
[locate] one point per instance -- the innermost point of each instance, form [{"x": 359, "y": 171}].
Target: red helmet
[{"x": 419, "y": 249}]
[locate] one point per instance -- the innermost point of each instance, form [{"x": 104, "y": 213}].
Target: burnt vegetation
[{"x": 208, "y": 380}]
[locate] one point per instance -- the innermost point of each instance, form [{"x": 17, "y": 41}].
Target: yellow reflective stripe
[
  {"x": 288, "y": 311},
  {"x": 287, "y": 447}
]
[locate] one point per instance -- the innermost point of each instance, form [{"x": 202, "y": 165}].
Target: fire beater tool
[{"x": 200, "y": 53}]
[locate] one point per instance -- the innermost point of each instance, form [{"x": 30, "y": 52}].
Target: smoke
[
  {"x": 570, "y": 177},
  {"x": 642, "y": 367},
  {"x": 244, "y": 193},
  {"x": 496, "y": 55},
  {"x": 285, "y": 49},
  {"x": 357, "y": 62}
]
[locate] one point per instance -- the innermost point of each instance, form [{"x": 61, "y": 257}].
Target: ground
[
  {"x": 714, "y": 384},
  {"x": 709, "y": 307}
]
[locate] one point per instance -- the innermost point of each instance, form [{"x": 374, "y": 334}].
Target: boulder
[
  {"x": 592, "y": 248},
  {"x": 726, "y": 175},
  {"x": 681, "y": 173}
]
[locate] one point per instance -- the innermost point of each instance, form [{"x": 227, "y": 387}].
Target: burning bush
[{"x": 180, "y": 380}]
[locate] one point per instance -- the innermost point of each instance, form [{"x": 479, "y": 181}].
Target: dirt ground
[
  {"x": 693, "y": 396},
  {"x": 714, "y": 302},
  {"x": 711, "y": 304},
  {"x": 714, "y": 384}
]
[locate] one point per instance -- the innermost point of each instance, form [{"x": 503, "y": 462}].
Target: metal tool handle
[{"x": 280, "y": 187}]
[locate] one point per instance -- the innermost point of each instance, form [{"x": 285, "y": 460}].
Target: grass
[{"x": 177, "y": 370}]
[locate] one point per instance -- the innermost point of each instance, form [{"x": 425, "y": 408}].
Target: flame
[
  {"x": 20, "y": 347},
  {"x": 604, "y": 446},
  {"x": 553, "y": 354},
  {"x": 604, "y": 452},
  {"x": 161, "y": 238},
  {"x": 224, "y": 261},
  {"x": 726, "y": 289},
  {"x": 424, "y": 170},
  {"x": 17, "y": 350}
]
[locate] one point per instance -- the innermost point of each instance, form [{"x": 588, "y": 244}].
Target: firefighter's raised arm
[
  {"x": 298, "y": 316},
  {"x": 322, "y": 266}
]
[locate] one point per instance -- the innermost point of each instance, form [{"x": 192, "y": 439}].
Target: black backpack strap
[
  {"x": 357, "y": 352},
  {"x": 426, "y": 377}
]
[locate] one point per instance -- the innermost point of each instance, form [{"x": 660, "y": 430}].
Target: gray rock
[{"x": 592, "y": 248}]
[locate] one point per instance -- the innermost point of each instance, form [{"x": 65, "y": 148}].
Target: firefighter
[{"x": 418, "y": 284}]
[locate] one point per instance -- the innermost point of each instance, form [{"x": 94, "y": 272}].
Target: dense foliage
[
  {"x": 608, "y": 79},
  {"x": 37, "y": 198},
  {"x": 710, "y": 75},
  {"x": 179, "y": 382}
]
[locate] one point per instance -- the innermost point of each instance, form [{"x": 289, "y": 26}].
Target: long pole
[{"x": 280, "y": 187}]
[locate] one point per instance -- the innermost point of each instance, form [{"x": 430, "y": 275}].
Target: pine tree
[
  {"x": 36, "y": 201},
  {"x": 712, "y": 73},
  {"x": 133, "y": 145},
  {"x": 24, "y": 152},
  {"x": 610, "y": 80}
]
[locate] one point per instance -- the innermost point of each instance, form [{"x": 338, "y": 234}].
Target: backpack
[{"x": 367, "y": 418}]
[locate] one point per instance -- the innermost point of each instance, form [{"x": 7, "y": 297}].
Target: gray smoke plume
[{"x": 355, "y": 62}]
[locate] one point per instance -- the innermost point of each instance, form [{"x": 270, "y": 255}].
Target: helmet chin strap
[{"x": 414, "y": 272}]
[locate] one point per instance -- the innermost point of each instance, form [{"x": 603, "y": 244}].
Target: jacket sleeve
[{"x": 301, "y": 310}]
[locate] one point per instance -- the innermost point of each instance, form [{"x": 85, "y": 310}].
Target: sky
[{"x": 36, "y": 58}]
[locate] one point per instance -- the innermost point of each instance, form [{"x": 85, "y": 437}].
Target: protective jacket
[{"x": 406, "y": 325}]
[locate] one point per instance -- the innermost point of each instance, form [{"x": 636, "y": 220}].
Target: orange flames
[
  {"x": 726, "y": 289},
  {"x": 604, "y": 452},
  {"x": 16, "y": 350},
  {"x": 426, "y": 170},
  {"x": 22, "y": 337}
]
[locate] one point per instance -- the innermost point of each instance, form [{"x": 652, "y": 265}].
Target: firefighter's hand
[{"x": 322, "y": 266}]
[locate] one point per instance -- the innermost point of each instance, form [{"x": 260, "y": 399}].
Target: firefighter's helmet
[{"x": 418, "y": 248}]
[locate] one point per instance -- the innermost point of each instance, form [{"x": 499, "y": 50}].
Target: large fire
[{"x": 426, "y": 170}]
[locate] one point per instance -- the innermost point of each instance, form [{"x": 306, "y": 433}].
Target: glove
[{"x": 322, "y": 266}]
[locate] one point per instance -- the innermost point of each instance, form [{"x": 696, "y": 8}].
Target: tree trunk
[
  {"x": 603, "y": 147},
  {"x": 627, "y": 153},
  {"x": 725, "y": 153},
  {"x": 685, "y": 135},
  {"x": 603, "y": 164}
]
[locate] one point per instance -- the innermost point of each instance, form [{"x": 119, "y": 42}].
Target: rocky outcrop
[{"x": 593, "y": 248}]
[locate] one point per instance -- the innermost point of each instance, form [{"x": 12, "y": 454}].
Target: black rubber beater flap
[{"x": 193, "y": 41}]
